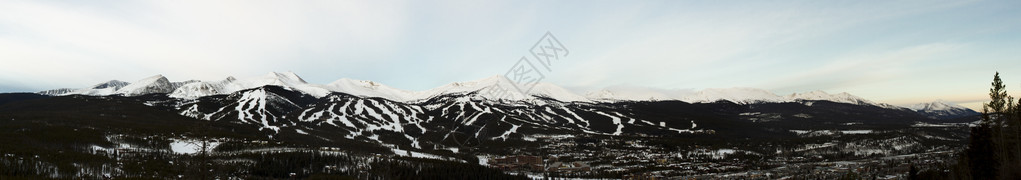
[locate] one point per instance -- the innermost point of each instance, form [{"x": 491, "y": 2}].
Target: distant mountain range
[
  {"x": 195, "y": 89},
  {"x": 452, "y": 115}
]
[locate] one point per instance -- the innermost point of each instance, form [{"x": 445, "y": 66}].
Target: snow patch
[{"x": 190, "y": 146}]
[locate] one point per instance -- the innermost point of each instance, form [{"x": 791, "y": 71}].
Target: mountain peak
[
  {"x": 499, "y": 87},
  {"x": 736, "y": 94},
  {"x": 149, "y": 85},
  {"x": 112, "y": 83},
  {"x": 941, "y": 109},
  {"x": 368, "y": 88},
  {"x": 101, "y": 89},
  {"x": 819, "y": 95},
  {"x": 936, "y": 105}
]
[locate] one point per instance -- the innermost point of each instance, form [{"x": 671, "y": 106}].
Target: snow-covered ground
[{"x": 190, "y": 146}]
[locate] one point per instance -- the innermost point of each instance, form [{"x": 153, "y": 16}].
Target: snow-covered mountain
[
  {"x": 943, "y": 110},
  {"x": 101, "y": 89},
  {"x": 275, "y": 108},
  {"x": 263, "y": 106},
  {"x": 738, "y": 95},
  {"x": 204, "y": 88},
  {"x": 150, "y": 85},
  {"x": 368, "y": 111},
  {"x": 636, "y": 94},
  {"x": 821, "y": 95},
  {"x": 501, "y": 88},
  {"x": 492, "y": 88},
  {"x": 488, "y": 88},
  {"x": 367, "y": 88},
  {"x": 843, "y": 97},
  {"x": 57, "y": 92},
  {"x": 282, "y": 113},
  {"x": 452, "y": 117},
  {"x": 231, "y": 84}
]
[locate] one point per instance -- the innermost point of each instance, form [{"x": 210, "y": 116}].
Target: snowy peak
[
  {"x": 367, "y": 88},
  {"x": 823, "y": 96},
  {"x": 487, "y": 88},
  {"x": 493, "y": 88},
  {"x": 110, "y": 84},
  {"x": 150, "y": 85},
  {"x": 556, "y": 92},
  {"x": 101, "y": 89},
  {"x": 229, "y": 85},
  {"x": 199, "y": 89},
  {"x": 287, "y": 80},
  {"x": 942, "y": 110},
  {"x": 937, "y": 105},
  {"x": 636, "y": 94},
  {"x": 469, "y": 86},
  {"x": 737, "y": 95},
  {"x": 500, "y": 88},
  {"x": 57, "y": 92}
]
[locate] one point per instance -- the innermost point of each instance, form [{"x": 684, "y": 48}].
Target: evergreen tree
[
  {"x": 998, "y": 96},
  {"x": 994, "y": 150}
]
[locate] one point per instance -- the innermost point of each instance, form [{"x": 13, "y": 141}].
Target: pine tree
[
  {"x": 994, "y": 150},
  {"x": 983, "y": 154},
  {"x": 1006, "y": 131},
  {"x": 998, "y": 96}
]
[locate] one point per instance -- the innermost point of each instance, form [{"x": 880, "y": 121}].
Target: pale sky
[{"x": 898, "y": 52}]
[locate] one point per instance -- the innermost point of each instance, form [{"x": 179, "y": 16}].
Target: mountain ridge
[
  {"x": 193, "y": 89},
  {"x": 941, "y": 109}
]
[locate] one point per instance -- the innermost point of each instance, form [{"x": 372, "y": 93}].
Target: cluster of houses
[
  {"x": 536, "y": 164},
  {"x": 569, "y": 167}
]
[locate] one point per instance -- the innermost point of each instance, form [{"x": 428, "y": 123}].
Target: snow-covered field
[{"x": 191, "y": 146}]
